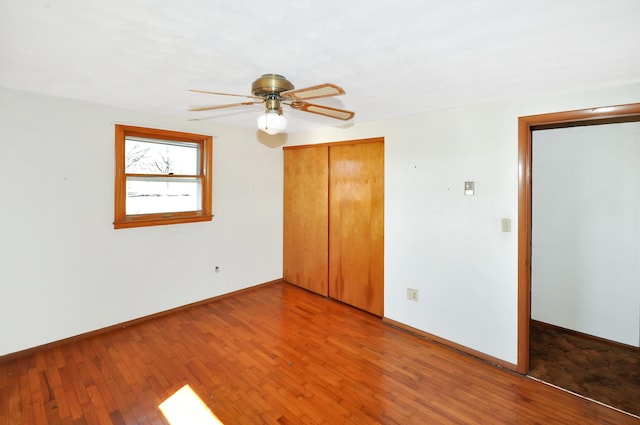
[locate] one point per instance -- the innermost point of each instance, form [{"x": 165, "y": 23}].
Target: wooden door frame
[{"x": 526, "y": 124}]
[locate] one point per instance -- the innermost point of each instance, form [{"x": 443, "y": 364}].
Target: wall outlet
[{"x": 412, "y": 294}]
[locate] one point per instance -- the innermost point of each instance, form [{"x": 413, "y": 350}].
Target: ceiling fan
[{"x": 274, "y": 90}]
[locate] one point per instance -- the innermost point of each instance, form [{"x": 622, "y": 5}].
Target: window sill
[{"x": 145, "y": 221}]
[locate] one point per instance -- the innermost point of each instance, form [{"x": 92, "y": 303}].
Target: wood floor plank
[{"x": 277, "y": 355}]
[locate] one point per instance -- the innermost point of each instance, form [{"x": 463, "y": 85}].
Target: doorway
[
  {"x": 527, "y": 124},
  {"x": 585, "y": 279},
  {"x": 585, "y": 231}
]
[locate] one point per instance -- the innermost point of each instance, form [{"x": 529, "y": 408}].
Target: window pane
[
  {"x": 150, "y": 156},
  {"x": 162, "y": 195}
]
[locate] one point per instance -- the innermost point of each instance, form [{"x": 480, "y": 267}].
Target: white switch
[{"x": 506, "y": 225}]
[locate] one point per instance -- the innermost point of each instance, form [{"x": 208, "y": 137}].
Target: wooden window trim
[{"x": 121, "y": 219}]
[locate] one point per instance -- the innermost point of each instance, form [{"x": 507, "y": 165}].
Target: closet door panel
[
  {"x": 356, "y": 225},
  {"x": 306, "y": 211}
]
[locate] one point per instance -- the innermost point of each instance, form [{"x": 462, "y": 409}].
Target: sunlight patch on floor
[{"x": 184, "y": 407}]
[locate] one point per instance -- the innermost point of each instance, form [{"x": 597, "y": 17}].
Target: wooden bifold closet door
[
  {"x": 334, "y": 221},
  {"x": 356, "y": 225},
  {"x": 306, "y": 217}
]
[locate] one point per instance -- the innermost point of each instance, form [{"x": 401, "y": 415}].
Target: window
[{"x": 162, "y": 177}]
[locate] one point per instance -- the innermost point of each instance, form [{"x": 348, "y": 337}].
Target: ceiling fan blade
[
  {"x": 314, "y": 92},
  {"x": 199, "y": 119},
  {"x": 225, "y": 94},
  {"x": 230, "y": 105},
  {"x": 327, "y": 111}
]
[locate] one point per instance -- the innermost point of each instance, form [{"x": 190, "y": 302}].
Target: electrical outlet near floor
[{"x": 412, "y": 294}]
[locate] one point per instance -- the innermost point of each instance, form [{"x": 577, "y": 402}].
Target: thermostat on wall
[{"x": 469, "y": 188}]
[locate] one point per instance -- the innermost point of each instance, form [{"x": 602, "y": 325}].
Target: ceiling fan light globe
[{"x": 271, "y": 122}]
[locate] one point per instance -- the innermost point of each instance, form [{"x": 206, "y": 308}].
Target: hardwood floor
[{"x": 277, "y": 355}]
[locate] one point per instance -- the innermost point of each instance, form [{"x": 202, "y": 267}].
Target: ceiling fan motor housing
[{"x": 270, "y": 84}]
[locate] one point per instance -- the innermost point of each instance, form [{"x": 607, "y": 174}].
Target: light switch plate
[{"x": 506, "y": 225}]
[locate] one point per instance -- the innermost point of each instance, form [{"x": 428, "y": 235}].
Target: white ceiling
[{"x": 392, "y": 57}]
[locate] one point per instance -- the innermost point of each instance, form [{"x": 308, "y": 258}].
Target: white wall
[
  {"x": 586, "y": 227},
  {"x": 447, "y": 245},
  {"x": 64, "y": 270}
]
